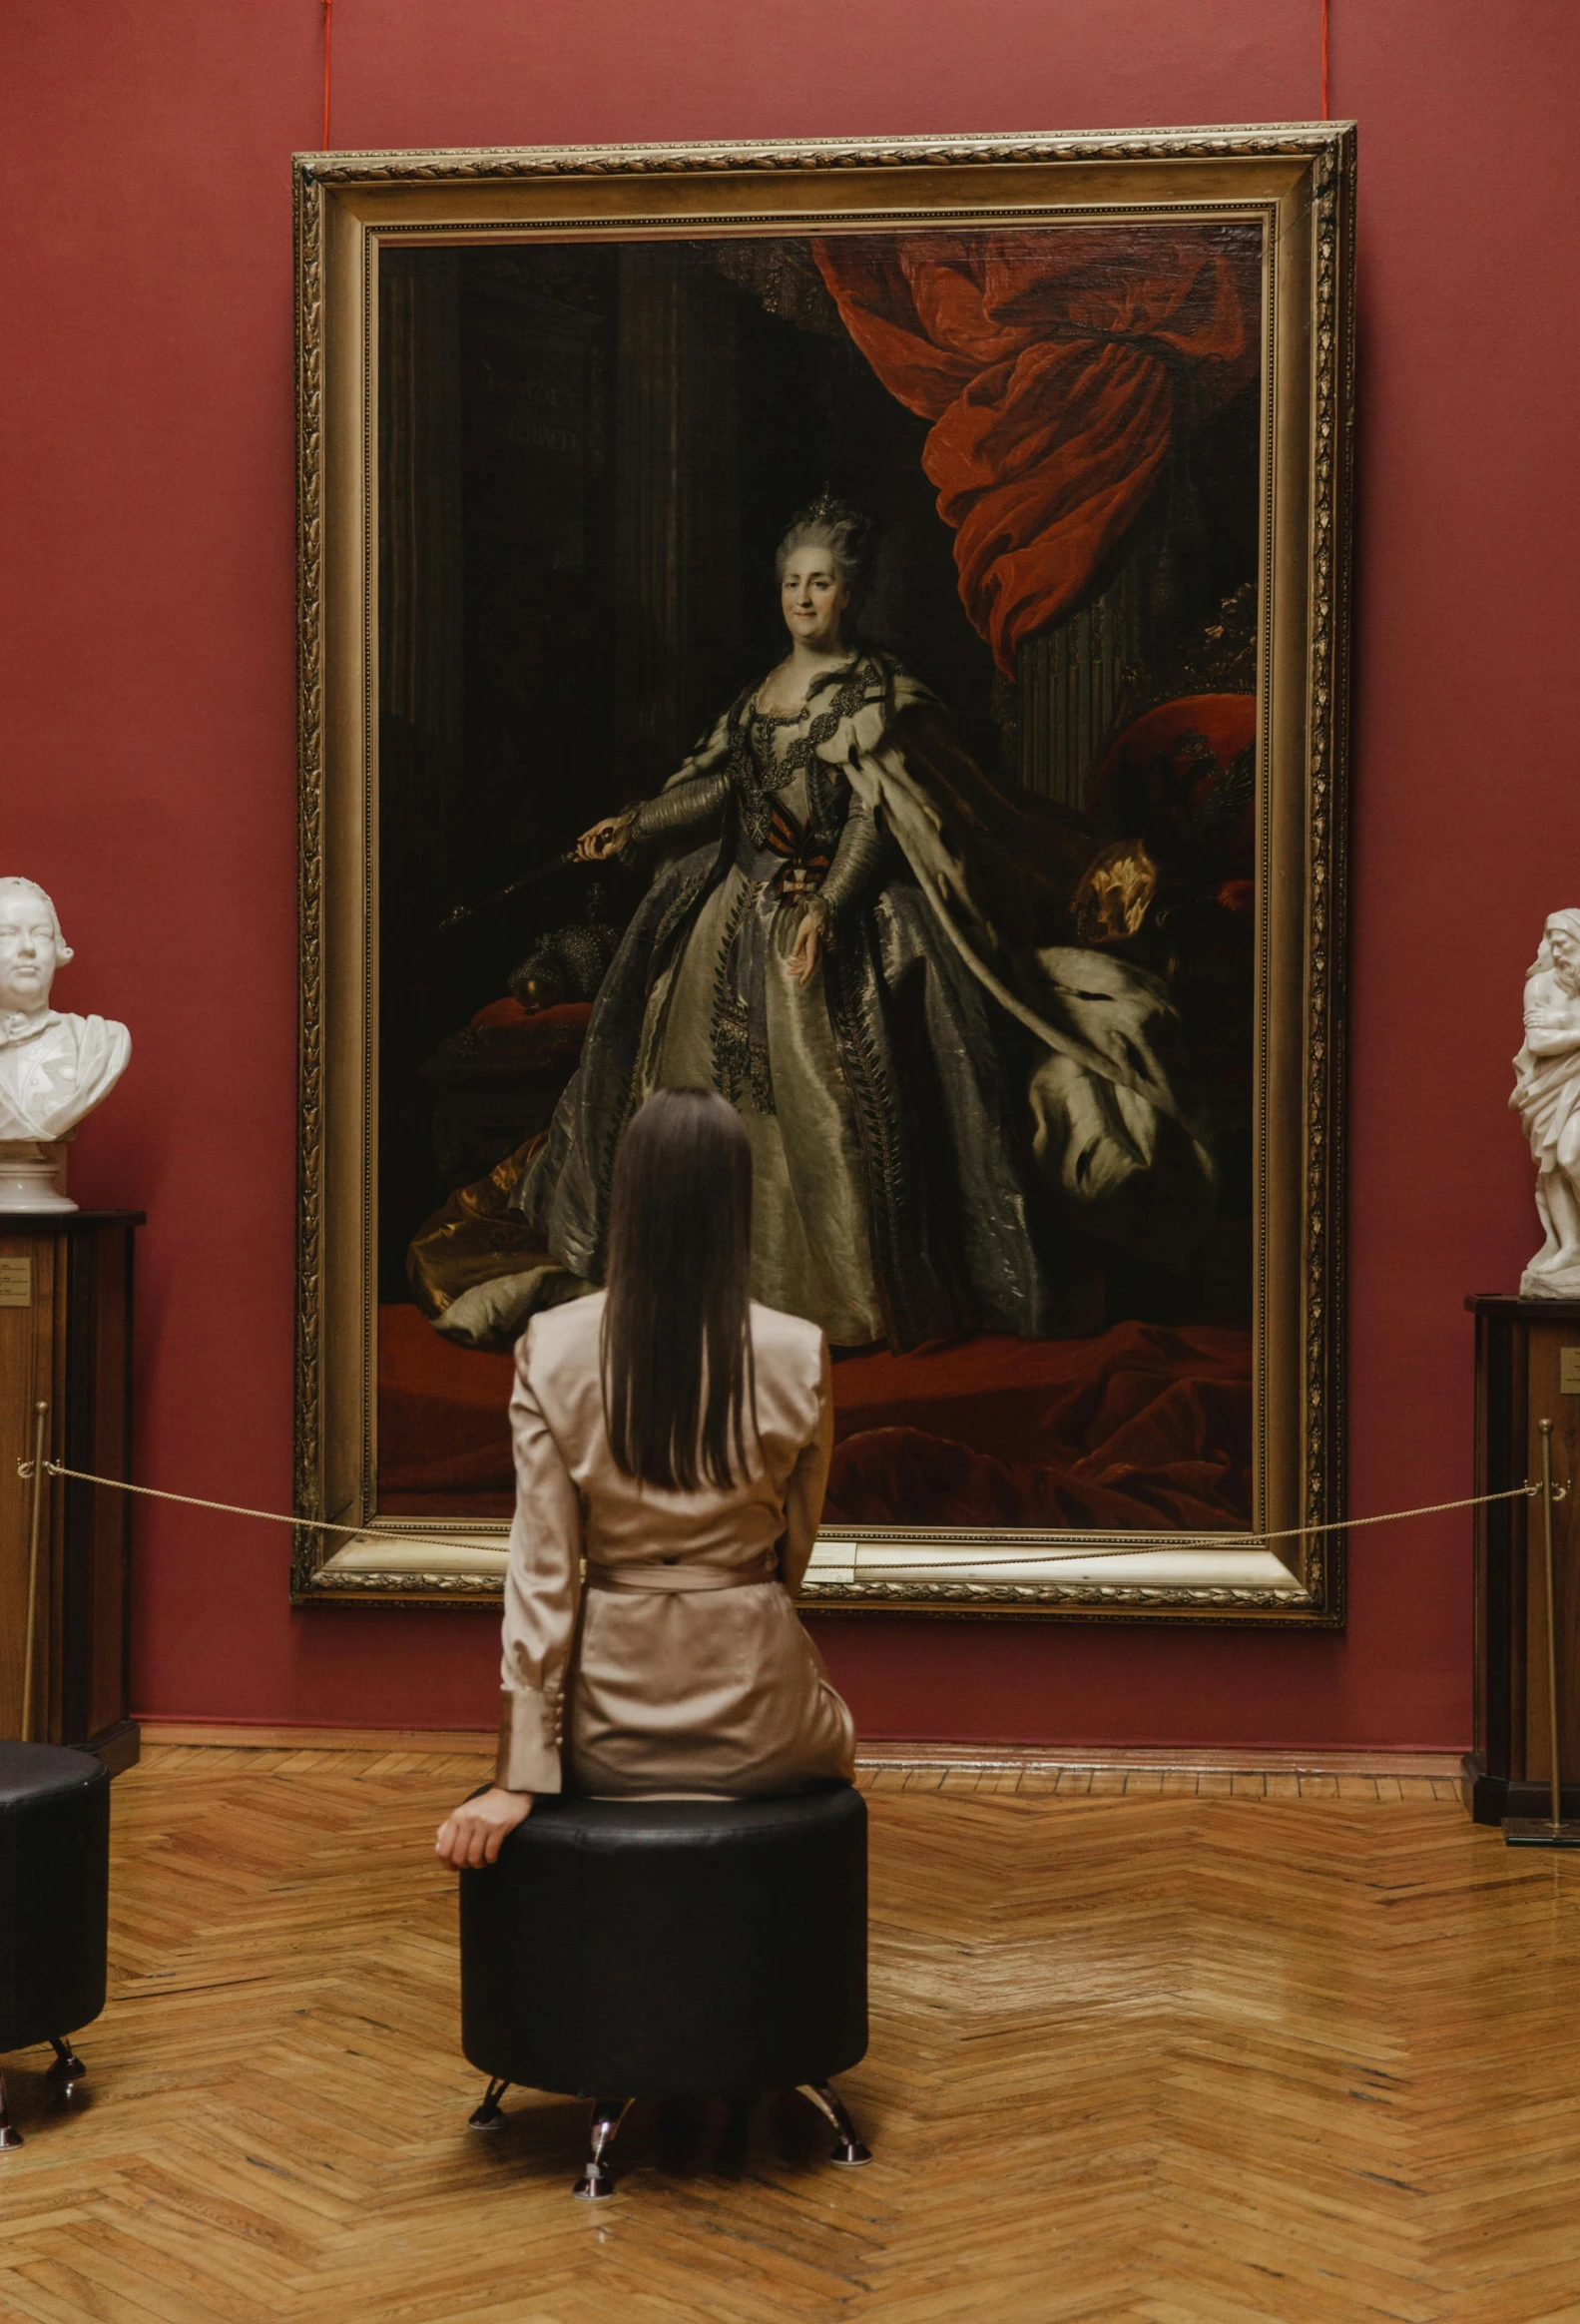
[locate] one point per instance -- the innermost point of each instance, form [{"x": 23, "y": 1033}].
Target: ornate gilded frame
[{"x": 1298, "y": 179}]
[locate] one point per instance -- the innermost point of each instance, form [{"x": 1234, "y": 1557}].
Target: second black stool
[
  {"x": 54, "y": 1904},
  {"x": 665, "y": 1949}
]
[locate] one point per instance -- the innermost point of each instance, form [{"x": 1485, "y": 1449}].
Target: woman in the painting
[{"x": 858, "y": 942}]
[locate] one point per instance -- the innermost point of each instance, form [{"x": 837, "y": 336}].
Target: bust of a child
[{"x": 54, "y": 1069}]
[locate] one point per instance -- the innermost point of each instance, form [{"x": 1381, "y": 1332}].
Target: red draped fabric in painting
[{"x": 1054, "y": 367}]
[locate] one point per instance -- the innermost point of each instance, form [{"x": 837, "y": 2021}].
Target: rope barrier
[
  {"x": 1188, "y": 1541},
  {"x": 1059, "y": 1556},
  {"x": 189, "y": 1501}
]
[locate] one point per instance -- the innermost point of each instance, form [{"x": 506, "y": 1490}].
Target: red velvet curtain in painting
[{"x": 1054, "y": 367}]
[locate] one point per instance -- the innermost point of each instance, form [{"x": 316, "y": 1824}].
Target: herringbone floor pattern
[{"x": 1144, "y": 2054}]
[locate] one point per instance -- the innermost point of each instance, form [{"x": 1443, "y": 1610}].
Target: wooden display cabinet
[
  {"x": 1528, "y": 1369},
  {"x": 66, "y": 1340}
]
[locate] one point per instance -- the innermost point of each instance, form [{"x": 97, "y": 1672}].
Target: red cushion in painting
[
  {"x": 1228, "y": 723},
  {"x": 508, "y": 1017},
  {"x": 504, "y": 1031},
  {"x": 1163, "y": 771}
]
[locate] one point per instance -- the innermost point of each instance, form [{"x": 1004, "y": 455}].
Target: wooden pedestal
[
  {"x": 66, "y": 1340},
  {"x": 1528, "y": 1369}
]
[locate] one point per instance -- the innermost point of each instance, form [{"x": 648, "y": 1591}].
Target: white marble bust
[
  {"x": 54, "y": 1069},
  {"x": 1547, "y": 1099}
]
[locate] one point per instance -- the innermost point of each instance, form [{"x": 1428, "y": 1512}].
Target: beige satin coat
[{"x": 679, "y": 1663}]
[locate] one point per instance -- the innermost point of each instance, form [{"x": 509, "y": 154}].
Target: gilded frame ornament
[{"x": 1299, "y": 179}]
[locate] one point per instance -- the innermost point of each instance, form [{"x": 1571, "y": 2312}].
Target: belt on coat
[{"x": 665, "y": 1578}]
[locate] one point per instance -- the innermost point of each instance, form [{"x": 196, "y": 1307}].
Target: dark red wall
[{"x": 146, "y": 570}]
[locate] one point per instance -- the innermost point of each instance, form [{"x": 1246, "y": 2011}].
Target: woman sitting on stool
[{"x": 676, "y": 1436}]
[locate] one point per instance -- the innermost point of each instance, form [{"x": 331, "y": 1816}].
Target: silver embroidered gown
[
  {"x": 727, "y": 1013},
  {"x": 892, "y": 1101}
]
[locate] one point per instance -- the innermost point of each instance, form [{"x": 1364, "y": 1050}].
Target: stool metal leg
[
  {"x": 68, "y": 2070},
  {"x": 598, "y": 2179},
  {"x": 7, "y": 2136},
  {"x": 849, "y": 2149},
  {"x": 489, "y": 2115}
]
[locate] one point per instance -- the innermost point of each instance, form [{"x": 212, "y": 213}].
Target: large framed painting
[{"x": 861, "y": 627}]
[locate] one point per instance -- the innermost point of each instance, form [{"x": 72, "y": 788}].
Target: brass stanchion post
[
  {"x": 1535, "y": 1831},
  {"x": 40, "y": 1420}
]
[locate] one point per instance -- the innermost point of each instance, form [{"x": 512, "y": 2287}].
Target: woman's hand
[
  {"x": 474, "y": 1833},
  {"x": 807, "y": 951},
  {"x": 596, "y": 846}
]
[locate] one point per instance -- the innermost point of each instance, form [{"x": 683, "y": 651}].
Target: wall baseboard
[
  {"x": 1169, "y": 1758},
  {"x": 247, "y": 1735}
]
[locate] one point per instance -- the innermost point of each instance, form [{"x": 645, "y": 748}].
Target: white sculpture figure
[
  {"x": 54, "y": 1069},
  {"x": 1547, "y": 1099}
]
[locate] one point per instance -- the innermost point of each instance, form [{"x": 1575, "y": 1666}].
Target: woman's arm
[
  {"x": 856, "y": 866},
  {"x": 803, "y": 1495},
  {"x": 542, "y": 1594},
  {"x": 858, "y": 860},
  {"x": 679, "y": 806},
  {"x": 693, "y": 795}
]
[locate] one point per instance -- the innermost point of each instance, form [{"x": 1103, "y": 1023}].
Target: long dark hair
[{"x": 677, "y": 1343}]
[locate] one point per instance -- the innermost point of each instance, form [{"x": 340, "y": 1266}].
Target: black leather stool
[
  {"x": 666, "y": 1949},
  {"x": 54, "y": 1904}
]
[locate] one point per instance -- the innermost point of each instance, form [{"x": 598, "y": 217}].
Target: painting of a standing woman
[{"x": 953, "y": 897}]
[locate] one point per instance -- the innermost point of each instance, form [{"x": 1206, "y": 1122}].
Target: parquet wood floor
[{"x": 1140, "y": 2053}]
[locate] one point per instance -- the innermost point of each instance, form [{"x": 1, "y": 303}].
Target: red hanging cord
[
  {"x": 328, "y": 27},
  {"x": 1325, "y": 68}
]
